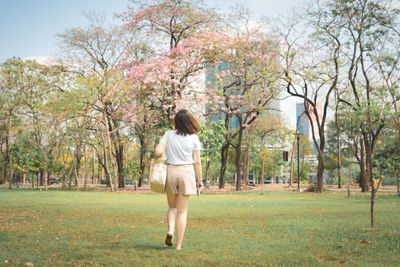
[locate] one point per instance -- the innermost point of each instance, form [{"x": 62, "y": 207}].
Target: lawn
[{"x": 62, "y": 228}]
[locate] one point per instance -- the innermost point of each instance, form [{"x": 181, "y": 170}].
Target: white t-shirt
[{"x": 180, "y": 148}]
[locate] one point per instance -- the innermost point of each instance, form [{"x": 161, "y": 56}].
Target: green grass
[{"x": 59, "y": 228}]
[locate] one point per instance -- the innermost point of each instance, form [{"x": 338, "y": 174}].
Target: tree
[
  {"x": 27, "y": 86},
  {"x": 98, "y": 51},
  {"x": 246, "y": 85},
  {"x": 348, "y": 144},
  {"x": 180, "y": 29},
  {"x": 161, "y": 81},
  {"x": 312, "y": 71},
  {"x": 387, "y": 158},
  {"x": 264, "y": 127},
  {"x": 211, "y": 137},
  {"x": 365, "y": 24},
  {"x": 13, "y": 83},
  {"x": 39, "y": 117},
  {"x": 338, "y": 141},
  {"x": 145, "y": 122}
]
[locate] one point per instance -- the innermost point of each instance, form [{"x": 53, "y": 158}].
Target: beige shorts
[{"x": 180, "y": 179}]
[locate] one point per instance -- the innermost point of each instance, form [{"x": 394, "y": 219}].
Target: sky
[{"x": 28, "y": 28}]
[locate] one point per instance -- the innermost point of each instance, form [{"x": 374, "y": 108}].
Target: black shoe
[{"x": 168, "y": 240}]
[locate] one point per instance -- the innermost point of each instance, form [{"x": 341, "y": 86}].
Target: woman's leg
[
  {"x": 182, "y": 208},
  {"x": 171, "y": 215}
]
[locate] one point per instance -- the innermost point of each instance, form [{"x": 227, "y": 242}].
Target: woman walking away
[{"x": 183, "y": 152}]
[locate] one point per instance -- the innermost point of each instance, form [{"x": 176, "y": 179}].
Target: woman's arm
[
  {"x": 197, "y": 167},
  {"x": 159, "y": 149}
]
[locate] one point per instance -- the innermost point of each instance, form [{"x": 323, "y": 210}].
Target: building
[{"x": 302, "y": 121}]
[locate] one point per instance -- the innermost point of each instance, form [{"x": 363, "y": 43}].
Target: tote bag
[{"x": 159, "y": 174}]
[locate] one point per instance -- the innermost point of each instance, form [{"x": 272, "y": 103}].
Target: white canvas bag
[{"x": 158, "y": 175}]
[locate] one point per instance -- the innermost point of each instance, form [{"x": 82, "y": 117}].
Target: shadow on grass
[
  {"x": 151, "y": 246},
  {"x": 140, "y": 246}
]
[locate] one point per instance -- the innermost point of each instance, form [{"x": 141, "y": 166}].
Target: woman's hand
[{"x": 199, "y": 184}]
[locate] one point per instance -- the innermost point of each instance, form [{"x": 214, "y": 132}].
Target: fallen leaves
[
  {"x": 365, "y": 242},
  {"x": 30, "y": 264}
]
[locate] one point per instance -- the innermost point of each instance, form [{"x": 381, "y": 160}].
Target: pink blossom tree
[
  {"x": 178, "y": 28},
  {"x": 242, "y": 89}
]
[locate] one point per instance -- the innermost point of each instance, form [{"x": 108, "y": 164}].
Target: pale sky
[{"x": 28, "y": 27}]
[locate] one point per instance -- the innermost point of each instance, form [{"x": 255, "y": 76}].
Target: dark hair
[{"x": 186, "y": 123}]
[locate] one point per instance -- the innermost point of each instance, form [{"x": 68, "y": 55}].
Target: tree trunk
[
  {"x": 105, "y": 166},
  {"x": 224, "y": 156},
  {"x": 320, "y": 173},
  {"x": 374, "y": 189},
  {"x": 120, "y": 164},
  {"x": 45, "y": 178},
  {"x": 262, "y": 168},
  {"x": 85, "y": 172},
  {"x": 373, "y": 195},
  {"x": 115, "y": 141},
  {"x": 292, "y": 163},
  {"x": 39, "y": 177},
  {"x": 224, "y": 159},
  {"x": 151, "y": 164},
  {"x": 339, "y": 150},
  {"x": 208, "y": 164},
  {"x": 10, "y": 156},
  {"x": 115, "y": 169},
  {"x": 24, "y": 178},
  {"x": 142, "y": 163},
  {"x": 56, "y": 159},
  {"x": 398, "y": 184},
  {"x": 41, "y": 183},
  {"x": 238, "y": 154},
  {"x": 100, "y": 168},
  {"x": 362, "y": 166},
  {"x": 246, "y": 167},
  {"x": 113, "y": 179},
  {"x": 93, "y": 170},
  {"x": 78, "y": 158},
  {"x": 349, "y": 185},
  {"x": 17, "y": 176},
  {"x": 70, "y": 174},
  {"x": 108, "y": 141},
  {"x": 76, "y": 186},
  {"x": 364, "y": 176}
]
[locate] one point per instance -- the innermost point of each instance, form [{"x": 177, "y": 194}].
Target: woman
[{"x": 183, "y": 152}]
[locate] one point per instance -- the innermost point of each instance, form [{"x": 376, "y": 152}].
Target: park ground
[{"x": 69, "y": 228}]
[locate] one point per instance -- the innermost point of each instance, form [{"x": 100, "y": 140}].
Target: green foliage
[
  {"x": 212, "y": 138},
  {"x": 387, "y": 157},
  {"x": 132, "y": 171}
]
